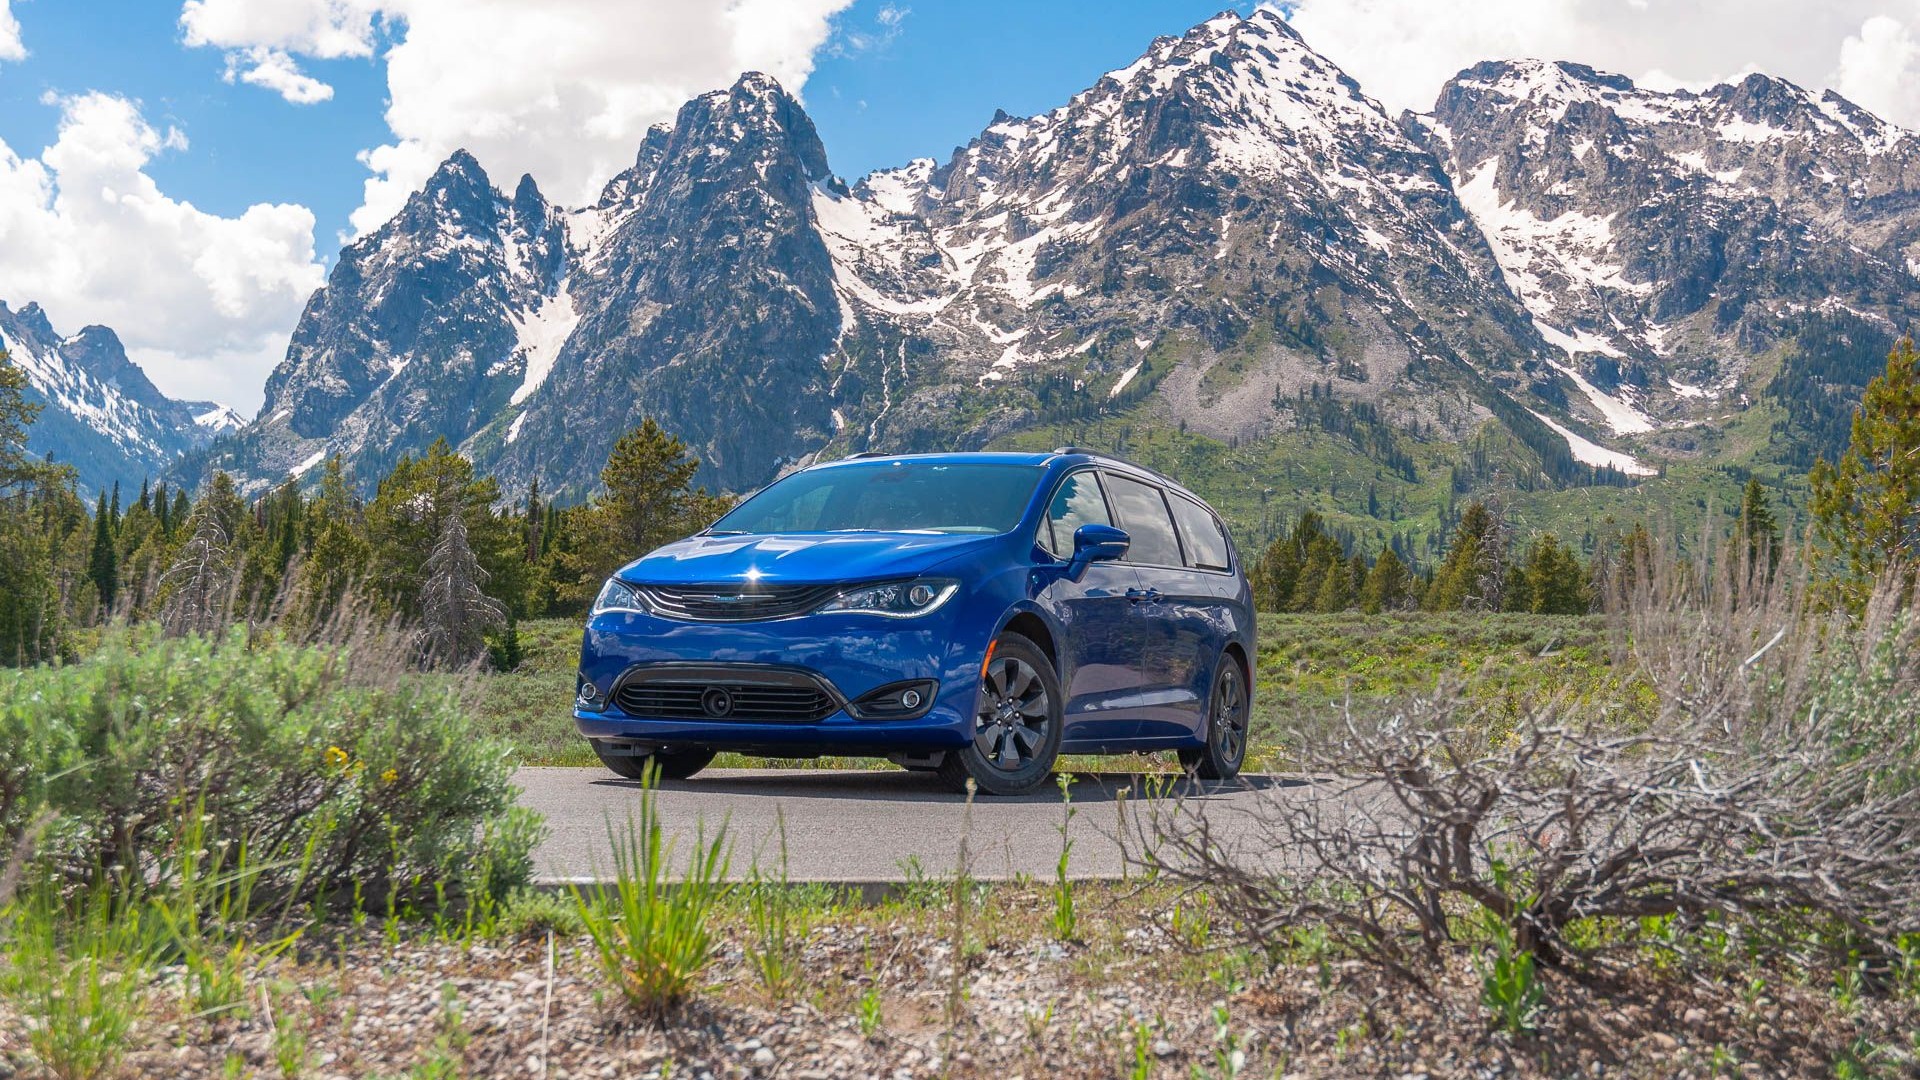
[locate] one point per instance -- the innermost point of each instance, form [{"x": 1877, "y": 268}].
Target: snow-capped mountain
[
  {"x": 1664, "y": 242},
  {"x": 1554, "y": 268},
  {"x": 1228, "y": 221},
  {"x": 99, "y": 412}
]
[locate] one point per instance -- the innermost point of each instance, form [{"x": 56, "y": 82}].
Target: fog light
[
  {"x": 589, "y": 696},
  {"x": 896, "y": 701}
]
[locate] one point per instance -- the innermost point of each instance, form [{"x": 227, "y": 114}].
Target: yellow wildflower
[
  {"x": 389, "y": 776},
  {"x": 337, "y": 757}
]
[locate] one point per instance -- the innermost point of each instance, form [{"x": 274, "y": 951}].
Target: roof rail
[
  {"x": 870, "y": 453},
  {"x": 1090, "y": 452}
]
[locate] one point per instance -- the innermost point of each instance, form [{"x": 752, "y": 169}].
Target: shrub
[
  {"x": 527, "y": 913},
  {"x": 1776, "y": 785},
  {"x": 335, "y": 772}
]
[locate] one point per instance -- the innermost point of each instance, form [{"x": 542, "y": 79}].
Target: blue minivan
[{"x": 975, "y": 615}]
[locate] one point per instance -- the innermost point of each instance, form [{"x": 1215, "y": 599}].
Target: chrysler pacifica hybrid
[{"x": 975, "y": 615}]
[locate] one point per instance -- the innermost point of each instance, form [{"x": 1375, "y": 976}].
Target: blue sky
[
  {"x": 878, "y": 98},
  {"x": 184, "y": 171}
]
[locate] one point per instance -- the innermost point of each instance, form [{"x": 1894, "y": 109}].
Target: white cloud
[
  {"x": 328, "y": 29},
  {"x": 1877, "y": 68},
  {"x": 11, "y": 47},
  {"x": 1401, "y": 51},
  {"x": 887, "y": 25},
  {"x": 86, "y": 232},
  {"x": 276, "y": 71},
  {"x": 563, "y": 89}
]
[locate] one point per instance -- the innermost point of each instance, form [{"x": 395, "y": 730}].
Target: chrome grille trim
[{"x": 733, "y": 602}]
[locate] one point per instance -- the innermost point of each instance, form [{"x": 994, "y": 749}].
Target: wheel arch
[
  {"x": 1033, "y": 626},
  {"x": 1238, "y": 654}
]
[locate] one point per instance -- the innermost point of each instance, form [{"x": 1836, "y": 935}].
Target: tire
[
  {"x": 673, "y": 764},
  {"x": 1227, "y": 710},
  {"x": 1017, "y": 723}
]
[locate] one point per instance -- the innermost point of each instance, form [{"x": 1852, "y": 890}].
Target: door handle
[{"x": 1137, "y": 595}]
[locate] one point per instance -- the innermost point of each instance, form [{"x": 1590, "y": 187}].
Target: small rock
[
  {"x": 1664, "y": 1042},
  {"x": 763, "y": 1056},
  {"x": 1163, "y": 1048},
  {"x": 1694, "y": 1017}
]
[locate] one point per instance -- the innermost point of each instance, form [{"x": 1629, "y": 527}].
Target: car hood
[{"x": 798, "y": 558}]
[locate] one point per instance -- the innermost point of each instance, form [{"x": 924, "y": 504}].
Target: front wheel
[
  {"x": 1226, "y": 744},
  {"x": 673, "y": 764},
  {"x": 1016, "y": 726}
]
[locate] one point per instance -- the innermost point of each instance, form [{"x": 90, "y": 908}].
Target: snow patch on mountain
[
  {"x": 308, "y": 464},
  {"x": 1588, "y": 452},
  {"x": 1620, "y": 413},
  {"x": 539, "y": 337}
]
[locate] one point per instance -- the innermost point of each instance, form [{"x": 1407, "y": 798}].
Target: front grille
[
  {"x": 776, "y": 697},
  {"x": 733, "y": 603}
]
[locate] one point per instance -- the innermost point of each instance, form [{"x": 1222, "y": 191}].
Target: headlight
[
  {"x": 895, "y": 599},
  {"x": 617, "y": 595}
]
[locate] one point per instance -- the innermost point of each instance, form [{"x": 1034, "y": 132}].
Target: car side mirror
[{"x": 1096, "y": 543}]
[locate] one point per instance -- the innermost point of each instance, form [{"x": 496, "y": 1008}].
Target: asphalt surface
[{"x": 885, "y": 825}]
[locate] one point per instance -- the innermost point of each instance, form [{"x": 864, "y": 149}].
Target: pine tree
[
  {"x": 407, "y": 519},
  {"x": 199, "y": 584},
  {"x": 1759, "y": 532},
  {"x": 533, "y": 522},
  {"x": 338, "y": 558},
  {"x": 1386, "y": 586},
  {"x": 648, "y": 501},
  {"x": 1473, "y": 575},
  {"x": 1550, "y": 580},
  {"x": 32, "y": 495},
  {"x": 102, "y": 567},
  {"x": 455, "y": 611},
  {"x": 504, "y": 652},
  {"x": 1866, "y": 508}
]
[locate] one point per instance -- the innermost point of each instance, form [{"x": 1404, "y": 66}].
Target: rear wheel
[
  {"x": 1016, "y": 726},
  {"x": 1226, "y": 744},
  {"x": 673, "y": 764}
]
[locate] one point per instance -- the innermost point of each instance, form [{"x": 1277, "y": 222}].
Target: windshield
[{"x": 890, "y": 496}]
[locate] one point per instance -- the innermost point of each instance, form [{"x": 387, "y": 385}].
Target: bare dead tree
[
  {"x": 455, "y": 611},
  {"x": 199, "y": 584}
]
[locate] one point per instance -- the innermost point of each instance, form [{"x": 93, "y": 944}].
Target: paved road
[{"x": 873, "y": 826}]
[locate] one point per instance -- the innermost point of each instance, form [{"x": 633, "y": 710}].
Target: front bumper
[{"x": 851, "y": 656}]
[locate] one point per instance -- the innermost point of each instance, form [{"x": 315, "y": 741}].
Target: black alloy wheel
[
  {"x": 1016, "y": 726},
  {"x": 1226, "y": 733}
]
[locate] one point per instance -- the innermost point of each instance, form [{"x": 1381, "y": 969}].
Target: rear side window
[
  {"x": 1077, "y": 503},
  {"x": 1206, "y": 545},
  {"x": 1143, "y": 513}
]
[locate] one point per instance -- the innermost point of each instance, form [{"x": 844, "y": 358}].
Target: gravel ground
[{"x": 1127, "y": 999}]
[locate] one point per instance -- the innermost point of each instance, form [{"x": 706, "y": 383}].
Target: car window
[
  {"x": 1143, "y": 513},
  {"x": 1200, "y": 533},
  {"x": 890, "y": 496},
  {"x": 1077, "y": 503}
]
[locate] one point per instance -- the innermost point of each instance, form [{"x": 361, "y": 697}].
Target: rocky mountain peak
[
  {"x": 755, "y": 121},
  {"x": 31, "y": 320},
  {"x": 100, "y": 412}
]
